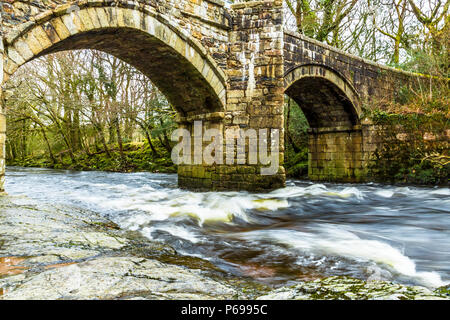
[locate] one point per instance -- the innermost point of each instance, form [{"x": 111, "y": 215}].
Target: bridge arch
[
  {"x": 325, "y": 96},
  {"x": 177, "y": 64},
  {"x": 332, "y": 107}
]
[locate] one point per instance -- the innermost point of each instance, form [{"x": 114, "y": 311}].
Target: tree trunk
[
  {"x": 119, "y": 140},
  {"x": 149, "y": 140},
  {"x": 52, "y": 157},
  {"x": 103, "y": 139}
]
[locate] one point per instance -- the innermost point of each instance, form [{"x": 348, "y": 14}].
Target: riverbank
[
  {"x": 54, "y": 252},
  {"x": 58, "y": 252},
  {"x": 137, "y": 156},
  {"x": 140, "y": 158}
]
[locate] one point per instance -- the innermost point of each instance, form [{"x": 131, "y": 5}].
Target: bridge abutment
[
  {"x": 255, "y": 98},
  {"x": 2, "y": 119},
  {"x": 336, "y": 154},
  {"x": 255, "y": 90}
]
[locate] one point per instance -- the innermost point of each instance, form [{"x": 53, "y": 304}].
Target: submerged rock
[{"x": 347, "y": 288}]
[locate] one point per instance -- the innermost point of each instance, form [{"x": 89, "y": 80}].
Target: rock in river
[{"x": 347, "y": 288}]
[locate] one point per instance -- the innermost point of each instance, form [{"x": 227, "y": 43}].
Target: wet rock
[
  {"x": 444, "y": 290},
  {"x": 119, "y": 277},
  {"x": 53, "y": 231},
  {"x": 65, "y": 253},
  {"x": 347, "y": 288}
]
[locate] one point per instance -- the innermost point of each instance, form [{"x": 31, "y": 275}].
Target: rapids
[{"x": 303, "y": 231}]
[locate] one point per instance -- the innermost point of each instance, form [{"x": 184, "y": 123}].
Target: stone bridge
[{"x": 229, "y": 66}]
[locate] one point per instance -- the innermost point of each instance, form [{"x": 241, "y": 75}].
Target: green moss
[
  {"x": 347, "y": 288},
  {"x": 403, "y": 155},
  {"x": 443, "y": 291}
]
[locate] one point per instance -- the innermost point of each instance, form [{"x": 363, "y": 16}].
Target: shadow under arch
[
  {"x": 327, "y": 99},
  {"x": 178, "y": 65}
]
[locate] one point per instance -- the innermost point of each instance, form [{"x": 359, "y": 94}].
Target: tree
[
  {"x": 321, "y": 19},
  {"x": 79, "y": 100}
]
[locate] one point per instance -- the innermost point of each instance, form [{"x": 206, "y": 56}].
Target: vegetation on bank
[
  {"x": 414, "y": 135},
  {"x": 296, "y": 141},
  {"x": 105, "y": 116},
  {"x": 138, "y": 157}
]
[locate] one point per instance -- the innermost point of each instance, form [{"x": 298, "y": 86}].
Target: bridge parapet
[{"x": 373, "y": 82}]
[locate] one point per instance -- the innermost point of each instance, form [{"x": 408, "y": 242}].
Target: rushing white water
[
  {"x": 368, "y": 231},
  {"x": 331, "y": 240}
]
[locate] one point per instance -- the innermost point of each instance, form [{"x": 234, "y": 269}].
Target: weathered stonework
[
  {"x": 370, "y": 81},
  {"x": 140, "y": 35},
  {"x": 385, "y": 144},
  {"x": 336, "y": 154},
  {"x": 255, "y": 93},
  {"x": 2, "y": 117},
  {"x": 332, "y": 87},
  {"x": 229, "y": 67}
]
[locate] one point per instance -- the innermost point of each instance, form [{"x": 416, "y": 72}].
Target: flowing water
[{"x": 304, "y": 231}]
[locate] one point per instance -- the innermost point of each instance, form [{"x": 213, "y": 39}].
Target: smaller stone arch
[
  {"x": 326, "y": 97},
  {"x": 332, "y": 107}
]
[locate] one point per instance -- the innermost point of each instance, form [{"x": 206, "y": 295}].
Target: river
[{"x": 304, "y": 231}]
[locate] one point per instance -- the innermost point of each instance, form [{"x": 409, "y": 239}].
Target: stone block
[
  {"x": 103, "y": 18},
  {"x": 51, "y": 32},
  {"x": 94, "y": 18},
  {"x": 86, "y": 19},
  {"x": 60, "y": 28}
]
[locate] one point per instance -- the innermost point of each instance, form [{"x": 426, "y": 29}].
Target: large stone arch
[
  {"x": 179, "y": 65},
  {"x": 326, "y": 97},
  {"x": 176, "y": 63},
  {"x": 332, "y": 107}
]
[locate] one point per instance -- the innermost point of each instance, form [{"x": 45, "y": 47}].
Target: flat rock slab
[
  {"x": 119, "y": 277},
  {"x": 30, "y": 229}
]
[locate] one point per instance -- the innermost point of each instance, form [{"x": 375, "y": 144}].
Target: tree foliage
[
  {"x": 388, "y": 31},
  {"x": 83, "y": 102}
]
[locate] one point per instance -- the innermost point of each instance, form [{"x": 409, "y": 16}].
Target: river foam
[
  {"x": 332, "y": 240},
  {"x": 398, "y": 231}
]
